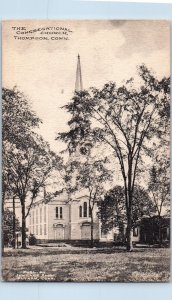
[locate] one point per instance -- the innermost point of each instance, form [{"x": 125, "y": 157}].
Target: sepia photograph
[{"x": 85, "y": 151}]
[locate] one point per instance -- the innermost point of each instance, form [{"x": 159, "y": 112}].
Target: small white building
[{"x": 63, "y": 219}]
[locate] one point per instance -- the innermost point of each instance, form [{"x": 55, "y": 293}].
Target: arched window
[
  {"x": 85, "y": 209},
  {"x": 80, "y": 211}
]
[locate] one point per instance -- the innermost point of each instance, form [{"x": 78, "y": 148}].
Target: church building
[{"x": 64, "y": 219}]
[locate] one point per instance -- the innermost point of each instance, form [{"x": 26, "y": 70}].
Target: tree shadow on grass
[{"x": 49, "y": 251}]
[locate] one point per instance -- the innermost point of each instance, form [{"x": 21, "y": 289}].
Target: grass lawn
[{"x": 81, "y": 264}]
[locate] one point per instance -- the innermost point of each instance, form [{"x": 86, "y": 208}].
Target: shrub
[{"x": 32, "y": 240}]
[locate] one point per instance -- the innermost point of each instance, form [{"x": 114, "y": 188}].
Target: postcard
[{"x": 86, "y": 150}]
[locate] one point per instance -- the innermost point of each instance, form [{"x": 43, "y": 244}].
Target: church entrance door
[
  {"x": 59, "y": 232},
  {"x": 86, "y": 232}
]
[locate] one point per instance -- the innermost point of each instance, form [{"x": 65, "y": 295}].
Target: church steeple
[{"x": 78, "y": 82}]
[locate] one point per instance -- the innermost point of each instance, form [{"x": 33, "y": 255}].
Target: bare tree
[
  {"x": 126, "y": 119},
  {"x": 91, "y": 175}
]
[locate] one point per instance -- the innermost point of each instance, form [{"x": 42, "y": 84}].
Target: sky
[{"x": 45, "y": 70}]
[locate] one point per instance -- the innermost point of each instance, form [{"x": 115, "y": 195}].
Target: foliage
[
  {"x": 90, "y": 174},
  {"x": 16, "y": 112},
  {"x": 18, "y": 122},
  {"x": 154, "y": 230},
  {"x": 7, "y": 226},
  {"x": 112, "y": 210},
  {"x": 29, "y": 169},
  {"x": 32, "y": 240},
  {"x": 27, "y": 158},
  {"x": 159, "y": 183},
  {"x": 126, "y": 119}
]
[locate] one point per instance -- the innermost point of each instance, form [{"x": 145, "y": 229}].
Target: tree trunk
[
  {"x": 129, "y": 238},
  {"x": 159, "y": 233},
  {"x": 129, "y": 245},
  {"x": 23, "y": 225},
  {"x": 14, "y": 224},
  {"x": 92, "y": 229},
  {"x": 129, "y": 195}
]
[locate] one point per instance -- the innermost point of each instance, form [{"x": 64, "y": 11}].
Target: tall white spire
[{"x": 78, "y": 82}]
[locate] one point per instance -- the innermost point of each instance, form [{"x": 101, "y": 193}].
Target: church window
[
  {"x": 57, "y": 212},
  {"x": 61, "y": 215},
  {"x": 80, "y": 211},
  {"x": 85, "y": 209}
]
